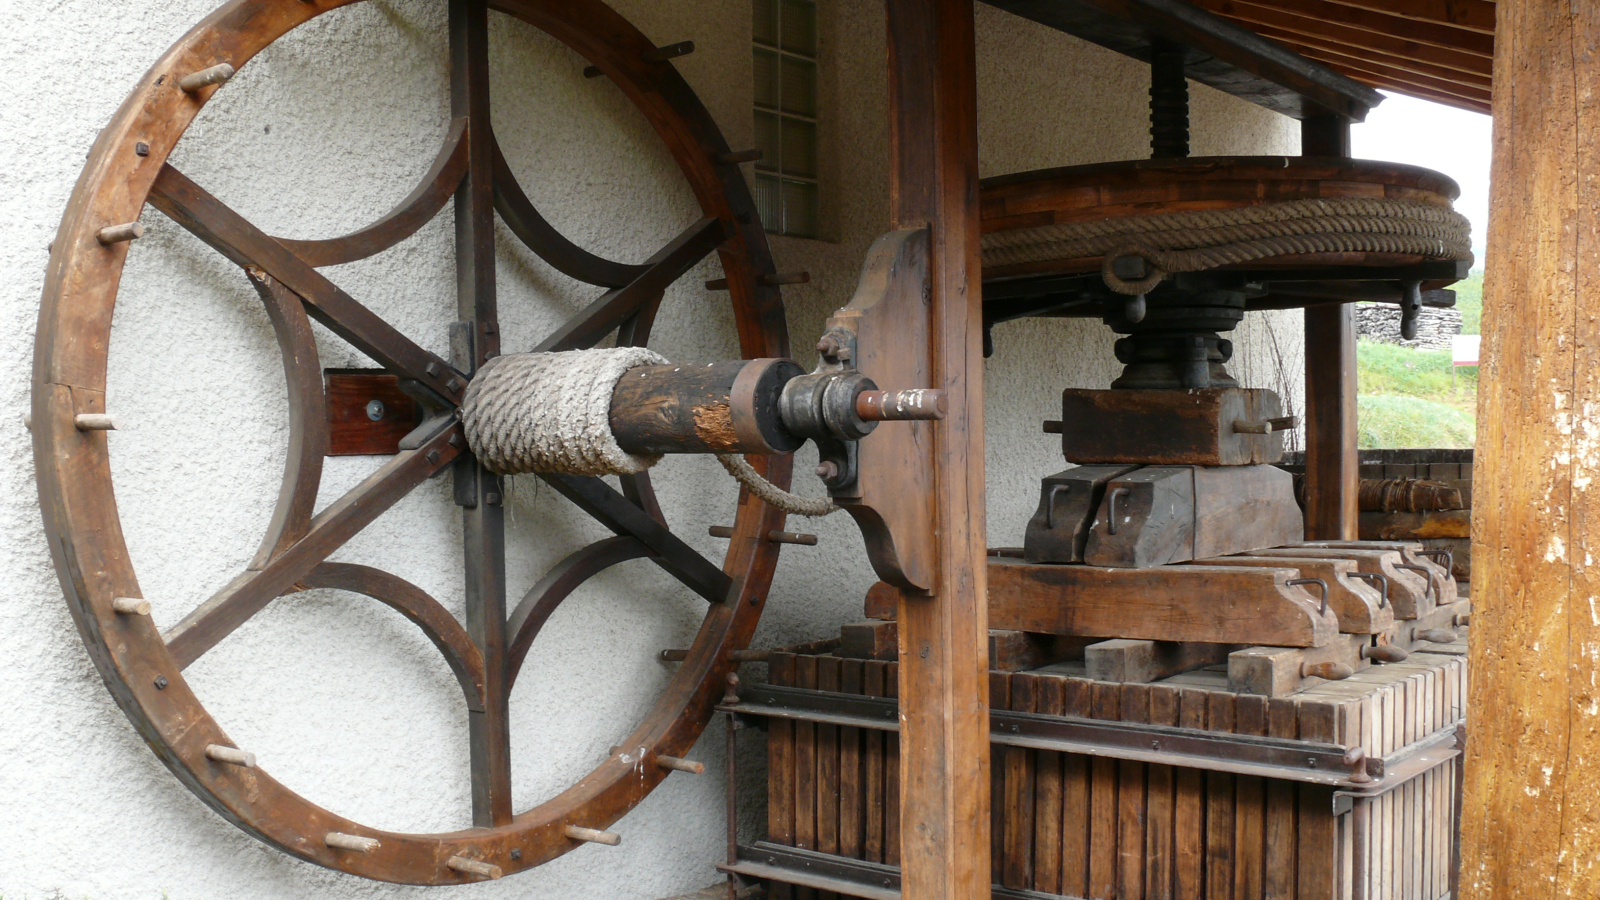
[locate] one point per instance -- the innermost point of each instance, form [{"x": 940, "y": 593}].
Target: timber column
[
  {"x": 944, "y": 715},
  {"x": 1531, "y": 822}
]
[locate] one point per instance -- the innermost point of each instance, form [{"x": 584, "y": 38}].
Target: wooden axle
[
  {"x": 593, "y": 835},
  {"x": 233, "y": 756},
  {"x": 726, "y": 407},
  {"x": 351, "y": 842}
]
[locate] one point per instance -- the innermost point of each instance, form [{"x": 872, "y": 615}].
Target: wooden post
[
  {"x": 1332, "y": 463},
  {"x": 1531, "y": 816},
  {"x": 944, "y": 730}
]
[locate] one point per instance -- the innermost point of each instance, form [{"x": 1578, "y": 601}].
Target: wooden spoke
[
  {"x": 415, "y": 211},
  {"x": 542, "y": 600},
  {"x": 615, "y": 306},
  {"x": 418, "y": 607},
  {"x": 524, "y": 220},
  {"x": 614, "y": 511},
  {"x": 246, "y": 595},
  {"x": 213, "y": 222},
  {"x": 308, "y": 418}
]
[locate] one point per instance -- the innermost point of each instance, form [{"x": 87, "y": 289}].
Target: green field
[{"x": 1408, "y": 398}]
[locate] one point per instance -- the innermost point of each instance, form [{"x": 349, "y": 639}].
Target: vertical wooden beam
[
  {"x": 1531, "y": 816},
  {"x": 1332, "y": 463},
  {"x": 476, "y": 338},
  {"x": 944, "y": 729}
]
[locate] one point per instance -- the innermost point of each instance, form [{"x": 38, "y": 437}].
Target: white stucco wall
[{"x": 341, "y": 699}]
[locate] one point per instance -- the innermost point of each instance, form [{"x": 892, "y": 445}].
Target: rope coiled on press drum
[
  {"x": 1196, "y": 240},
  {"x": 551, "y": 412}
]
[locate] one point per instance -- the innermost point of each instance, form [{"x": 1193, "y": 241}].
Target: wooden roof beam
[
  {"x": 1439, "y": 97},
  {"x": 1396, "y": 76},
  {"x": 1268, "y": 20},
  {"x": 1446, "y": 36},
  {"x": 1472, "y": 15},
  {"x": 1363, "y": 54}
]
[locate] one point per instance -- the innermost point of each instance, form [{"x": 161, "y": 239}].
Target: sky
[{"x": 1449, "y": 140}]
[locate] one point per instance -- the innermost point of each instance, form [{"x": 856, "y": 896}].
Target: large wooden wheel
[{"x": 144, "y": 668}]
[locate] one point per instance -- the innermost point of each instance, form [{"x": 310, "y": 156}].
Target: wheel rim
[{"x": 74, "y": 474}]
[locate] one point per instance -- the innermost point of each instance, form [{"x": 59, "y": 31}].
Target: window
[{"x": 786, "y": 115}]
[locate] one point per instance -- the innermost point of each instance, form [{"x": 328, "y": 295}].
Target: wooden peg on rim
[
  {"x": 351, "y": 842},
  {"x": 717, "y": 284},
  {"x": 677, "y": 764},
  {"x": 472, "y": 867},
  {"x": 116, "y": 234},
  {"x": 194, "y": 81},
  {"x": 734, "y": 157},
  {"x": 670, "y": 51},
  {"x": 233, "y": 756},
  {"x": 593, "y": 835},
  {"x": 130, "y": 606},
  {"x": 736, "y": 656},
  {"x": 94, "y": 422}
]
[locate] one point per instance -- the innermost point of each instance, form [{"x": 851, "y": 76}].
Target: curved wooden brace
[
  {"x": 562, "y": 579},
  {"x": 524, "y": 220},
  {"x": 308, "y": 418},
  {"x": 416, "y": 210},
  {"x": 419, "y": 608}
]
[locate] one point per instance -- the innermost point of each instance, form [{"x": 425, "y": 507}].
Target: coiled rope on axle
[{"x": 526, "y": 413}]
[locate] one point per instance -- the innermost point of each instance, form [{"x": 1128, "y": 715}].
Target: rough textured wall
[{"x": 340, "y": 698}]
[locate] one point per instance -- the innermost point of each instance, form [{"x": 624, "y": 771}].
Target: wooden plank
[
  {"x": 1189, "y": 807},
  {"x": 943, "y": 637},
  {"x": 1159, "y": 810},
  {"x": 1050, "y": 700},
  {"x": 780, "y": 758},
  {"x": 1270, "y": 21},
  {"x": 1221, "y": 808},
  {"x": 1076, "y": 797},
  {"x": 1250, "y": 818},
  {"x": 1106, "y": 704},
  {"x": 999, "y": 698},
  {"x": 1379, "y": 21},
  {"x": 1131, "y": 800},
  {"x": 891, "y": 776},
  {"x": 1330, "y": 489},
  {"x": 1017, "y": 815},
  {"x": 827, "y": 782},
  {"x": 1278, "y": 867},
  {"x": 874, "y": 756},
  {"x": 1219, "y": 604},
  {"x": 1318, "y": 831},
  {"x": 805, "y": 762},
  {"x": 851, "y": 782}
]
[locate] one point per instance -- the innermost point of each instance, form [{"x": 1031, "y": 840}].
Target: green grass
[
  {"x": 1386, "y": 421},
  {"x": 1406, "y": 398},
  {"x": 1469, "y": 299}
]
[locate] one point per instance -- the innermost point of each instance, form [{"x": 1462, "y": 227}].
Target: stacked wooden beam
[{"x": 1084, "y": 825}]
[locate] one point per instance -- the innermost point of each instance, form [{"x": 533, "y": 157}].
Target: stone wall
[{"x": 1381, "y": 322}]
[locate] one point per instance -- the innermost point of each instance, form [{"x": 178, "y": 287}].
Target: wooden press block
[
  {"x": 1442, "y": 579},
  {"x": 1059, "y": 530},
  {"x": 870, "y": 640},
  {"x": 1169, "y": 514},
  {"x": 1279, "y": 671},
  {"x": 1141, "y": 662},
  {"x": 1166, "y": 427},
  {"x": 1408, "y": 633},
  {"x": 883, "y": 601},
  {"x": 1409, "y": 594},
  {"x": 1209, "y": 604},
  {"x": 1354, "y": 601}
]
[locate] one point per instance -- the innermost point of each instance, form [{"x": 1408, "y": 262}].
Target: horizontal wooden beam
[
  {"x": 1269, "y": 20},
  {"x": 1472, "y": 15},
  {"x": 1380, "y": 23},
  {"x": 1390, "y": 77},
  {"x": 1443, "y": 99},
  {"x": 1356, "y": 56}
]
